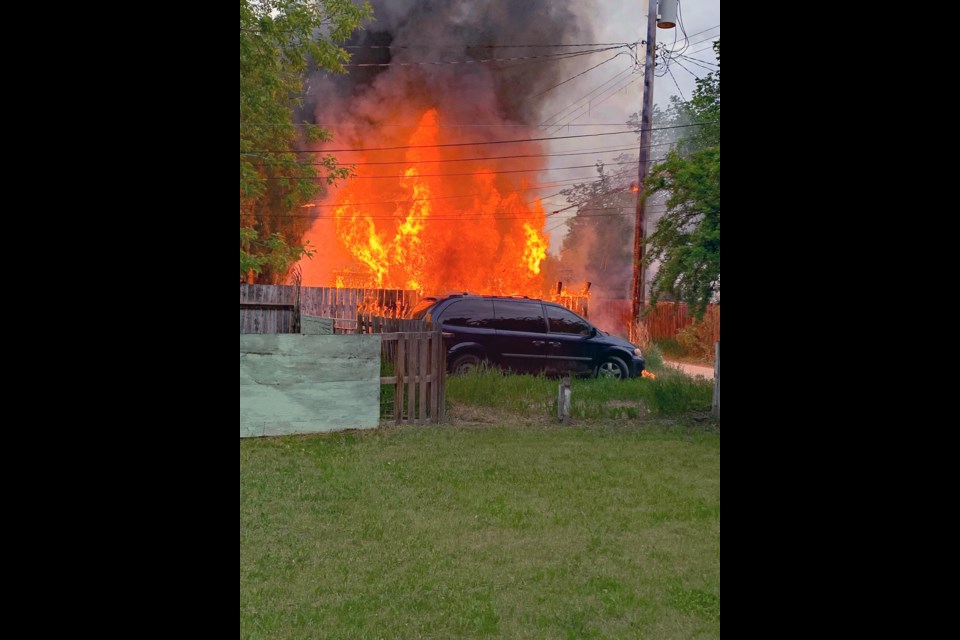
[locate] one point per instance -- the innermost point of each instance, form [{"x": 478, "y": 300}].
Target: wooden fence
[
  {"x": 670, "y": 318},
  {"x": 369, "y": 323},
  {"x": 267, "y": 309},
  {"x": 417, "y": 363}
]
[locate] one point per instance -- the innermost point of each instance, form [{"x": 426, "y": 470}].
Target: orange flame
[{"x": 442, "y": 223}]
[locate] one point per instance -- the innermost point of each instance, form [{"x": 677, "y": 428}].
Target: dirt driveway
[{"x": 692, "y": 369}]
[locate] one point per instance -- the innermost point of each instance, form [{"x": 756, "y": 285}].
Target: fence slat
[
  {"x": 277, "y": 313},
  {"x": 412, "y": 380},
  {"x": 398, "y": 394},
  {"x": 670, "y": 318},
  {"x": 424, "y": 367}
]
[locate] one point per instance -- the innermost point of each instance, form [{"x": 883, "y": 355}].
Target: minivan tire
[
  {"x": 464, "y": 364},
  {"x": 614, "y": 368}
]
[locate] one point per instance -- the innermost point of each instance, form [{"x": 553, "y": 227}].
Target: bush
[
  {"x": 697, "y": 340},
  {"x": 654, "y": 357}
]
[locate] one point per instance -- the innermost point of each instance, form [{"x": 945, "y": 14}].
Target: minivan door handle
[
  {"x": 555, "y": 344},
  {"x": 538, "y": 343}
]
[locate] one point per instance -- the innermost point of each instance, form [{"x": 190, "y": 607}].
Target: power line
[
  {"x": 689, "y": 44},
  {"x": 697, "y": 62},
  {"x": 576, "y": 76},
  {"x": 602, "y": 150},
  {"x": 698, "y": 42},
  {"x": 549, "y": 56},
  {"x": 450, "y": 144},
  {"x": 609, "y": 94},
  {"x": 586, "y": 104},
  {"x": 471, "y": 144},
  {"x": 615, "y": 78},
  {"x": 677, "y": 84},
  {"x": 484, "y": 46},
  {"x": 467, "y": 218},
  {"x": 378, "y": 125},
  {"x": 688, "y": 71},
  {"x": 528, "y": 155},
  {"x": 716, "y": 26},
  {"x": 708, "y": 48},
  {"x": 552, "y": 185},
  {"x": 441, "y": 175}
]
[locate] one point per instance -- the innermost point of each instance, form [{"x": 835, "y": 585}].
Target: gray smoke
[{"x": 459, "y": 30}]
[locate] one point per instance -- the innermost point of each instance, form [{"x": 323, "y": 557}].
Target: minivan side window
[
  {"x": 468, "y": 313},
  {"x": 563, "y": 321},
  {"x": 519, "y": 316}
]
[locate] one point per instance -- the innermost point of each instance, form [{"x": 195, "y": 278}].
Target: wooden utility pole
[{"x": 646, "y": 138}]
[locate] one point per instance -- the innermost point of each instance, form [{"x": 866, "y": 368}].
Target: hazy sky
[
  {"x": 626, "y": 21},
  {"x": 605, "y": 97}
]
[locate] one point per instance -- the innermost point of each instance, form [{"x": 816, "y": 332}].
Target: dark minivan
[{"x": 524, "y": 335}]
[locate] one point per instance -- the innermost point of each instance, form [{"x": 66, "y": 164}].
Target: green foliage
[
  {"x": 280, "y": 40},
  {"x": 686, "y": 243},
  {"x": 654, "y": 357},
  {"x": 273, "y": 253}
]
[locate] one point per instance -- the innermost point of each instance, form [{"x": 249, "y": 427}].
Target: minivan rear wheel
[
  {"x": 613, "y": 368},
  {"x": 464, "y": 364}
]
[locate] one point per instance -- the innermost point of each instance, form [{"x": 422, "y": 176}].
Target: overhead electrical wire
[
  {"x": 441, "y": 175},
  {"x": 548, "y": 56},
  {"x": 602, "y": 151},
  {"x": 697, "y": 62},
  {"x": 472, "y": 144},
  {"x": 560, "y": 84}
]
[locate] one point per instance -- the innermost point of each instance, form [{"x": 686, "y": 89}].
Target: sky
[{"x": 618, "y": 89}]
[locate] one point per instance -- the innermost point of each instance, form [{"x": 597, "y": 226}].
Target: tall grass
[
  {"x": 654, "y": 357},
  {"x": 671, "y": 394}
]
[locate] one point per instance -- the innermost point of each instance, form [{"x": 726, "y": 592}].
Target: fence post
[
  {"x": 564, "y": 401},
  {"x": 716, "y": 385}
]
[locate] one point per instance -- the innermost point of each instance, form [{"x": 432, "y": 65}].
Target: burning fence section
[{"x": 271, "y": 309}]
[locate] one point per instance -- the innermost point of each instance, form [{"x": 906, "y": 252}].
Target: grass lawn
[{"x": 609, "y": 529}]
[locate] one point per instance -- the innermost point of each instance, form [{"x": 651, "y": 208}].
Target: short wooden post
[
  {"x": 564, "y": 402},
  {"x": 716, "y": 385}
]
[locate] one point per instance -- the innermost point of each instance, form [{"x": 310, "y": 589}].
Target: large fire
[{"x": 435, "y": 219}]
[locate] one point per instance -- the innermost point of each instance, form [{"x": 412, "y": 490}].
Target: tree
[
  {"x": 593, "y": 248},
  {"x": 686, "y": 243},
  {"x": 280, "y": 40}
]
